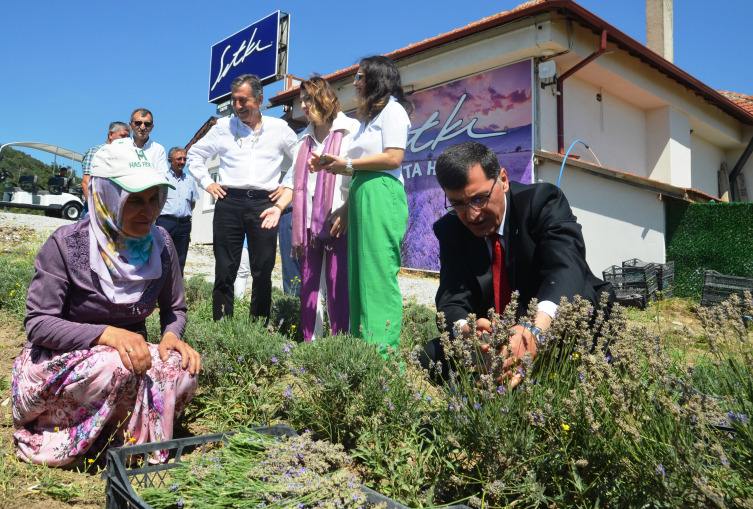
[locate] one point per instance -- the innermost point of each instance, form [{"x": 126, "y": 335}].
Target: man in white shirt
[
  {"x": 251, "y": 149},
  {"x": 142, "y": 123}
]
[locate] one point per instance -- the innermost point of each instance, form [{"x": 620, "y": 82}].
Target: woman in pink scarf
[
  {"x": 87, "y": 379},
  {"x": 320, "y": 211}
]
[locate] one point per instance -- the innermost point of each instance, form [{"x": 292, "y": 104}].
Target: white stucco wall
[
  {"x": 619, "y": 221},
  {"x": 706, "y": 160},
  {"x": 622, "y": 142},
  {"x": 201, "y": 229},
  {"x": 668, "y": 146}
]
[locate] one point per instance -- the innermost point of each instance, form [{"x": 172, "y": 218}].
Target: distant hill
[{"x": 20, "y": 163}]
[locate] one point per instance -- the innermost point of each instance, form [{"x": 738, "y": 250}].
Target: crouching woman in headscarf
[{"x": 87, "y": 379}]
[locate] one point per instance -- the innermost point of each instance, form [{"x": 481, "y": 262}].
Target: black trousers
[
  {"x": 235, "y": 216},
  {"x": 181, "y": 235}
]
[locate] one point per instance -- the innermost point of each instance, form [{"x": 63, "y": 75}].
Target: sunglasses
[
  {"x": 138, "y": 123},
  {"x": 359, "y": 77},
  {"x": 178, "y": 158}
]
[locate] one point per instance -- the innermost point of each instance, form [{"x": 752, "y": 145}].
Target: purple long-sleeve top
[{"x": 66, "y": 308}]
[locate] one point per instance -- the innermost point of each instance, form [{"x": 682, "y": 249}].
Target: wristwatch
[
  {"x": 349, "y": 170},
  {"x": 535, "y": 331}
]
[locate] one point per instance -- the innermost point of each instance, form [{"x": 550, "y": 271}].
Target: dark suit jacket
[{"x": 545, "y": 256}]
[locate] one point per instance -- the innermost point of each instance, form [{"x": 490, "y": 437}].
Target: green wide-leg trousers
[{"x": 378, "y": 216}]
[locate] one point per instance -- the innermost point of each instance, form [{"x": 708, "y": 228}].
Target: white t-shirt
[{"x": 388, "y": 130}]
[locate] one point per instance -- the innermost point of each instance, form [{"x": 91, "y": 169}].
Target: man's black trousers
[
  {"x": 181, "y": 235},
  {"x": 235, "y": 216}
]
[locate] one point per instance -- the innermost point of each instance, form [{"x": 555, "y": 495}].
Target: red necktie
[{"x": 499, "y": 275}]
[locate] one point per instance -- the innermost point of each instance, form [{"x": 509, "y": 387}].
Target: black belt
[
  {"x": 247, "y": 193},
  {"x": 186, "y": 219}
]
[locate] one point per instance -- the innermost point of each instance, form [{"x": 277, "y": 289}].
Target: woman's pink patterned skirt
[{"x": 74, "y": 405}]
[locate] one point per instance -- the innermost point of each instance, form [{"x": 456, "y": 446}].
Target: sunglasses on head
[{"x": 138, "y": 123}]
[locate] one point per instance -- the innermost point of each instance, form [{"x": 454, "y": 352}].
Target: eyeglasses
[
  {"x": 476, "y": 204},
  {"x": 178, "y": 158},
  {"x": 138, "y": 123},
  {"x": 359, "y": 77}
]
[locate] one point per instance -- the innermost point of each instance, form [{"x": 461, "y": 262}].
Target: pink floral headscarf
[{"x": 123, "y": 263}]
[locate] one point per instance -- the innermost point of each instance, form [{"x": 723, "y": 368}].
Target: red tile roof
[
  {"x": 742, "y": 100},
  {"x": 732, "y": 107},
  {"x": 203, "y": 130}
]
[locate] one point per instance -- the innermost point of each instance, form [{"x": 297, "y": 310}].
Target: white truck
[{"x": 59, "y": 197}]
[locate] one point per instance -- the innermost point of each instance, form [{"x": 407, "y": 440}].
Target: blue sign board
[{"x": 253, "y": 50}]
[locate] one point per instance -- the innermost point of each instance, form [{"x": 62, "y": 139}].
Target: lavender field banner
[{"x": 494, "y": 108}]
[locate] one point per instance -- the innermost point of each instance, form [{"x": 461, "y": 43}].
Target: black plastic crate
[
  {"x": 121, "y": 480},
  {"x": 631, "y": 298},
  {"x": 664, "y": 270},
  {"x": 719, "y": 287},
  {"x": 632, "y": 280}
]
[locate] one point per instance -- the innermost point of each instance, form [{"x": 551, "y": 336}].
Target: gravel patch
[
  {"x": 200, "y": 258},
  {"x": 42, "y": 224}
]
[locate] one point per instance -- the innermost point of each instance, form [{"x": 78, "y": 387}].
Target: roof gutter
[
  {"x": 738, "y": 168},
  {"x": 561, "y": 92}
]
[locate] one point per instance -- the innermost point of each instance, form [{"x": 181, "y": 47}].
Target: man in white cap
[{"x": 251, "y": 149}]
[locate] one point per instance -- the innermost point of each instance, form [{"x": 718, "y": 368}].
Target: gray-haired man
[
  {"x": 251, "y": 149},
  {"x": 117, "y": 131},
  {"x": 176, "y": 214}
]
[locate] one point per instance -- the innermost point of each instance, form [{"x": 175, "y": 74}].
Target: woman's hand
[
  {"x": 190, "y": 358},
  {"x": 271, "y": 217},
  {"x": 134, "y": 353},
  {"x": 335, "y": 164},
  {"x": 275, "y": 195},
  {"x": 339, "y": 220}
]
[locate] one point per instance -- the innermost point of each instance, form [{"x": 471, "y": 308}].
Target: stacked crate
[
  {"x": 718, "y": 287},
  {"x": 665, "y": 279},
  {"x": 635, "y": 283}
]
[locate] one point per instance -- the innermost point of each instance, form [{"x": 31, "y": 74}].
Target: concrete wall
[
  {"x": 668, "y": 146},
  {"x": 201, "y": 229},
  {"x": 705, "y": 161},
  {"x": 619, "y": 141},
  {"x": 619, "y": 221}
]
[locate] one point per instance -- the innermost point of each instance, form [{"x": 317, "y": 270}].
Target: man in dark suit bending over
[{"x": 500, "y": 236}]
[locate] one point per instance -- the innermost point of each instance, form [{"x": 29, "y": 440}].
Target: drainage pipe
[
  {"x": 738, "y": 167},
  {"x": 560, "y": 96}
]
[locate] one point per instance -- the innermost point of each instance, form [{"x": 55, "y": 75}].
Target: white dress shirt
[
  {"x": 342, "y": 182},
  {"x": 389, "y": 129},
  {"x": 248, "y": 159},
  {"x": 546, "y": 306},
  {"x": 156, "y": 154}
]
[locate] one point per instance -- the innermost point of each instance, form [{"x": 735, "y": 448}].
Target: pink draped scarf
[{"x": 321, "y": 205}]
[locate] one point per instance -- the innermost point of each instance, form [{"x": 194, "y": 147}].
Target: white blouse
[
  {"x": 389, "y": 129},
  {"x": 342, "y": 182}
]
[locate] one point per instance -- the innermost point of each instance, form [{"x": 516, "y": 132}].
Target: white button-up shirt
[
  {"x": 248, "y": 159},
  {"x": 342, "y": 182},
  {"x": 156, "y": 154}
]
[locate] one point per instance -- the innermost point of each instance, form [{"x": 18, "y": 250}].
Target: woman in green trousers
[{"x": 378, "y": 209}]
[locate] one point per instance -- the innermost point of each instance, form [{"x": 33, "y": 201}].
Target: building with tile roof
[{"x": 662, "y": 137}]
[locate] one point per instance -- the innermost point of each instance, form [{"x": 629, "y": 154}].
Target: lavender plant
[
  {"x": 731, "y": 347},
  {"x": 341, "y": 385},
  {"x": 598, "y": 419},
  {"x": 254, "y": 471}
]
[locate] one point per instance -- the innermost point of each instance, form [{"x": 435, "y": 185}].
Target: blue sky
[{"x": 70, "y": 68}]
